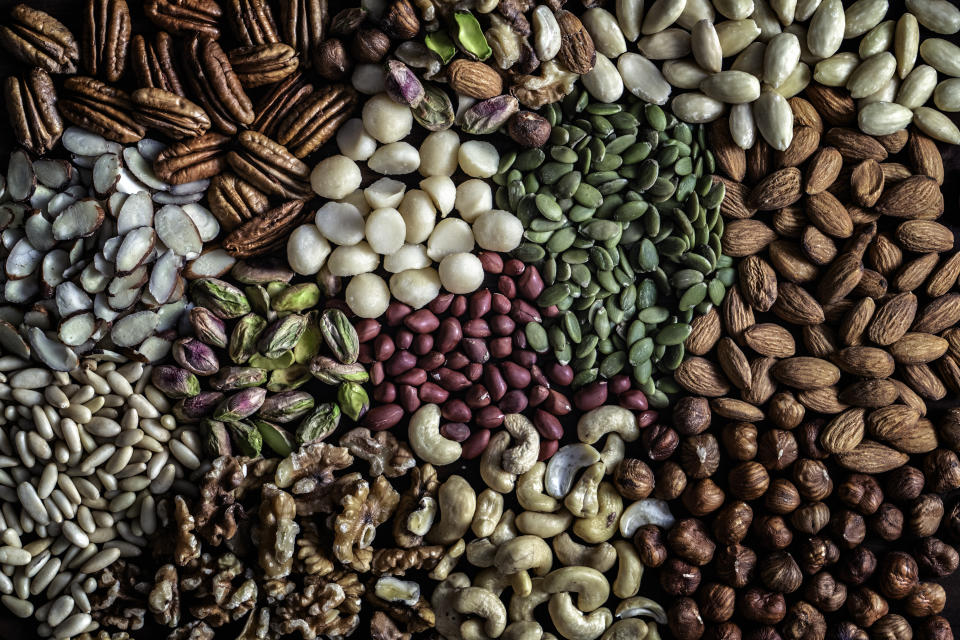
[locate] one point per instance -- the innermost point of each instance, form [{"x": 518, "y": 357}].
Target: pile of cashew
[{"x": 557, "y": 551}]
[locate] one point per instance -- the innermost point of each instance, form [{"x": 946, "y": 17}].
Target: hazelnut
[
  {"x": 684, "y": 620},
  {"x": 857, "y": 566},
  {"x": 928, "y": 599},
  {"x": 722, "y": 631},
  {"x": 670, "y": 483},
  {"x": 891, "y": 627},
  {"x": 812, "y": 479},
  {"x": 953, "y": 522},
  {"x": 779, "y": 572},
  {"x": 660, "y": 441},
  {"x": 763, "y": 633},
  {"x": 369, "y": 45},
  {"x": 887, "y": 522},
  {"x": 905, "y": 483},
  {"x": 810, "y": 518},
  {"x": 650, "y": 546},
  {"x": 772, "y": 532},
  {"x": 815, "y": 553},
  {"x": 717, "y": 602},
  {"x": 925, "y": 515},
  {"x": 764, "y": 607},
  {"x": 633, "y": 479},
  {"x": 699, "y": 455},
  {"x": 935, "y": 628},
  {"x": 740, "y": 440},
  {"x": 808, "y": 439},
  {"x": 936, "y": 558},
  {"x": 691, "y": 415},
  {"x": 401, "y": 21},
  {"x": 785, "y": 411},
  {"x": 825, "y": 592},
  {"x": 679, "y": 578},
  {"x": 942, "y": 470},
  {"x": 347, "y": 21},
  {"x": 949, "y": 429},
  {"x": 735, "y": 564},
  {"x": 847, "y": 631},
  {"x": 782, "y": 497},
  {"x": 866, "y": 606},
  {"x": 703, "y": 497},
  {"x": 849, "y": 528},
  {"x": 861, "y": 492},
  {"x": 689, "y": 539},
  {"x": 804, "y": 622},
  {"x": 748, "y": 481},
  {"x": 529, "y": 129},
  {"x": 732, "y": 523},
  {"x": 777, "y": 449},
  {"x": 331, "y": 60},
  {"x": 898, "y": 575}
]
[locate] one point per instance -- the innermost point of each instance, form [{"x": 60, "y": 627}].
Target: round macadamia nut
[
  {"x": 473, "y": 198},
  {"x": 385, "y": 230},
  {"x": 438, "y": 153},
  {"x": 442, "y": 191},
  {"x": 415, "y": 287},
  {"x": 461, "y": 273},
  {"x": 335, "y": 177},
  {"x": 340, "y": 223},
  {"x": 498, "y": 230},
  {"x": 394, "y": 159},
  {"x": 385, "y": 192},
  {"x": 386, "y": 120},
  {"x": 357, "y": 199},
  {"x": 307, "y": 250},
  {"x": 367, "y": 295},
  {"x": 410, "y": 256},
  {"x": 451, "y": 235},
  {"x": 369, "y": 79},
  {"x": 478, "y": 159},
  {"x": 354, "y": 142},
  {"x": 350, "y": 261},
  {"x": 418, "y": 214}
]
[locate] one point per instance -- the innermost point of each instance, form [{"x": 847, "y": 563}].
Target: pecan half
[
  {"x": 185, "y": 17},
  {"x": 315, "y": 119},
  {"x": 106, "y": 38},
  {"x": 274, "y": 106},
  {"x": 32, "y": 106},
  {"x": 233, "y": 200},
  {"x": 95, "y": 105},
  {"x": 304, "y": 25},
  {"x": 212, "y": 80},
  {"x": 194, "y": 159},
  {"x": 270, "y": 167},
  {"x": 267, "y": 232},
  {"x": 154, "y": 63},
  {"x": 169, "y": 113},
  {"x": 260, "y": 64},
  {"x": 38, "y": 39},
  {"x": 252, "y": 22}
]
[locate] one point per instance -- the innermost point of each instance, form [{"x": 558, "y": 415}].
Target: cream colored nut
[
  {"x": 906, "y": 44},
  {"x": 680, "y": 74},
  {"x": 641, "y": 606},
  {"x": 863, "y": 15},
  {"x": 565, "y": 464},
  {"x": 485, "y": 605},
  {"x": 410, "y": 256},
  {"x": 478, "y": 159},
  {"x": 438, "y": 153},
  {"x": 695, "y": 11},
  {"x": 598, "y": 422},
  {"x": 590, "y": 585},
  {"x": 642, "y": 78},
  {"x": 603, "y": 82},
  {"x": 523, "y": 630},
  {"x": 942, "y": 55},
  {"x": 353, "y": 260},
  {"x": 706, "y": 46},
  {"x": 415, "y": 287},
  {"x": 481, "y": 552},
  {"x": 498, "y": 230},
  {"x": 613, "y": 452},
  {"x": 530, "y": 493},
  {"x": 572, "y": 624},
  {"x": 626, "y": 630},
  {"x": 644, "y": 512},
  {"x": 448, "y": 562},
  {"x": 387, "y": 121},
  {"x": 385, "y": 192},
  {"x": 307, "y": 250},
  {"x": 795, "y": 82},
  {"x": 546, "y": 33},
  {"x": 743, "y": 128},
  {"x": 335, "y": 177},
  {"x": 521, "y": 457},
  {"x": 805, "y": 9},
  {"x": 370, "y": 79},
  {"x": 340, "y": 223},
  {"x": 393, "y": 589},
  {"x": 354, "y": 142},
  {"x": 505, "y": 529},
  {"x": 396, "y": 158},
  {"x": 605, "y": 32},
  {"x": 488, "y": 513},
  {"x": 661, "y": 14},
  {"x": 883, "y": 118},
  {"x": 888, "y": 93},
  {"x": 696, "y": 108},
  {"x": 947, "y": 95},
  {"x": 734, "y": 9},
  {"x": 457, "y": 501},
  {"x": 442, "y": 191},
  {"x": 871, "y": 75},
  {"x": 522, "y": 554},
  {"x": 461, "y": 273},
  {"x": 800, "y": 31},
  {"x": 522, "y": 608},
  {"x": 732, "y": 87},
  {"x": 826, "y": 29},
  {"x": 780, "y": 58},
  {"x": 736, "y": 35},
  {"x": 836, "y": 70},
  {"x": 367, "y": 295},
  {"x": 916, "y": 88},
  {"x": 419, "y": 215},
  {"x": 630, "y": 17},
  {"x": 603, "y": 525},
  {"x": 425, "y": 439},
  {"x": 630, "y": 571},
  {"x": 774, "y": 119},
  {"x": 543, "y": 525},
  {"x": 491, "y": 466},
  {"x": 940, "y": 16},
  {"x": 785, "y": 10},
  {"x": 666, "y": 45},
  {"x": 766, "y": 20},
  {"x": 570, "y": 553},
  {"x": 448, "y": 620},
  {"x": 878, "y": 39},
  {"x": 422, "y": 518},
  {"x": 936, "y": 125},
  {"x": 449, "y": 236},
  {"x": 750, "y": 60},
  {"x": 582, "y": 500},
  {"x": 473, "y": 198}
]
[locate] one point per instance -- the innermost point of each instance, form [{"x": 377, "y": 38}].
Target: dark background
[{"x": 70, "y": 13}]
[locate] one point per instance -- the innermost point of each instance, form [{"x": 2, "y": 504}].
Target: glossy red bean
[
  {"x": 450, "y": 380},
  {"x": 459, "y": 306},
  {"x": 422, "y": 344},
  {"x": 635, "y": 400},
  {"x": 365, "y": 354},
  {"x": 476, "y": 328},
  {"x": 376, "y": 373},
  {"x": 475, "y": 349},
  {"x": 513, "y": 267},
  {"x": 515, "y": 375},
  {"x": 382, "y": 417},
  {"x": 513, "y": 402},
  {"x": 475, "y": 444},
  {"x": 547, "y": 425},
  {"x": 473, "y": 371},
  {"x": 557, "y": 403},
  {"x": 619, "y": 384},
  {"x": 491, "y": 261},
  {"x": 591, "y": 396},
  {"x": 457, "y": 360},
  {"x": 456, "y": 431},
  {"x": 422, "y": 321},
  {"x": 524, "y": 358},
  {"x": 441, "y": 303},
  {"x": 489, "y": 417},
  {"x": 547, "y": 449},
  {"x": 431, "y": 361},
  {"x": 477, "y": 397},
  {"x": 647, "y": 418},
  {"x": 523, "y": 312},
  {"x": 538, "y": 377},
  {"x": 396, "y": 312},
  {"x": 480, "y": 303},
  {"x": 519, "y": 339},
  {"x": 494, "y": 382},
  {"x": 404, "y": 339},
  {"x": 538, "y": 394},
  {"x": 501, "y": 348},
  {"x": 367, "y": 329},
  {"x": 507, "y": 287},
  {"x": 433, "y": 393},
  {"x": 530, "y": 284},
  {"x": 384, "y": 392},
  {"x": 414, "y": 377},
  {"x": 408, "y": 398},
  {"x": 400, "y": 361},
  {"x": 560, "y": 374},
  {"x": 383, "y": 347},
  {"x": 500, "y": 303},
  {"x": 448, "y": 335},
  {"x": 502, "y": 325},
  {"x": 456, "y": 410}
]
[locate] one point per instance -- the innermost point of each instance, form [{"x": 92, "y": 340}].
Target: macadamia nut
[
  {"x": 335, "y": 177},
  {"x": 367, "y": 295},
  {"x": 461, "y": 273},
  {"x": 410, "y": 256},
  {"x": 385, "y": 230},
  {"x": 415, "y": 287},
  {"x": 418, "y": 214},
  {"x": 451, "y": 235},
  {"x": 394, "y": 159},
  {"x": 307, "y": 250},
  {"x": 354, "y": 142},
  {"x": 350, "y": 261},
  {"x": 498, "y": 230},
  {"x": 357, "y": 199},
  {"x": 442, "y": 191},
  {"x": 478, "y": 159},
  {"x": 438, "y": 153},
  {"x": 386, "y": 120},
  {"x": 385, "y": 192},
  {"x": 473, "y": 198},
  {"x": 340, "y": 223},
  {"x": 369, "y": 79}
]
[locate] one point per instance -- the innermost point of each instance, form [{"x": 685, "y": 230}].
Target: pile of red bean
[{"x": 469, "y": 355}]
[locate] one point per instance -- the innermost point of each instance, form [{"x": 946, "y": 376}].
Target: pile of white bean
[
  {"x": 82, "y": 456},
  {"x": 387, "y": 220}
]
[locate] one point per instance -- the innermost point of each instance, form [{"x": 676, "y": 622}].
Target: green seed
[
  {"x": 563, "y": 154},
  {"x": 600, "y": 230},
  {"x": 588, "y": 344},
  {"x": 575, "y": 256},
  {"x": 567, "y": 186},
  {"x": 586, "y": 361},
  {"x": 588, "y": 195},
  {"x": 579, "y": 213},
  {"x": 637, "y": 152},
  {"x": 529, "y": 253},
  {"x": 655, "y": 117},
  {"x": 551, "y": 172},
  {"x": 548, "y": 207},
  {"x": 603, "y": 108},
  {"x": 506, "y": 161},
  {"x": 693, "y": 296},
  {"x": 613, "y": 364},
  {"x": 673, "y": 334},
  {"x": 572, "y": 326},
  {"x": 530, "y": 159},
  {"x": 584, "y": 378},
  {"x": 537, "y": 337},
  {"x": 552, "y": 295},
  {"x": 654, "y": 315}
]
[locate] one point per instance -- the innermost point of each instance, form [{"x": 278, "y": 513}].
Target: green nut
[
  {"x": 353, "y": 400},
  {"x": 319, "y": 424},
  {"x": 340, "y": 336}
]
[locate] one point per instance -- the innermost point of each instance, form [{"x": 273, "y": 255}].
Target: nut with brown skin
[
  {"x": 936, "y": 558},
  {"x": 782, "y": 497},
  {"x": 528, "y": 129},
  {"x": 811, "y": 517},
  {"x": 722, "y": 631},
  {"x": 942, "y": 470},
  {"x": 812, "y": 479},
  {"x": 660, "y": 441},
  {"x": 369, "y": 44},
  {"x": 861, "y": 492},
  {"x": 671, "y": 481},
  {"x": 804, "y": 622},
  {"x": 935, "y": 628},
  {"x": 887, "y": 522},
  {"x": 684, "y": 620},
  {"x": 857, "y": 566},
  {"x": 925, "y": 515},
  {"x": 633, "y": 479},
  {"x": 679, "y": 578},
  {"x": 785, "y": 410},
  {"x": 779, "y": 572},
  {"x": 736, "y": 565},
  {"x": 764, "y": 607},
  {"x": 928, "y": 599},
  {"x": 699, "y": 455},
  {"x": 898, "y": 575},
  {"x": 740, "y": 440},
  {"x": 331, "y": 60},
  {"x": 401, "y": 21},
  {"x": 732, "y": 523},
  {"x": 650, "y": 545},
  {"x": 891, "y": 627},
  {"x": 846, "y": 630},
  {"x": 904, "y": 484},
  {"x": 703, "y": 497},
  {"x": 691, "y": 415},
  {"x": 848, "y": 527},
  {"x": 825, "y": 592},
  {"x": 815, "y": 553},
  {"x": 777, "y": 449},
  {"x": 763, "y": 633},
  {"x": 748, "y": 480},
  {"x": 866, "y": 606},
  {"x": 689, "y": 539},
  {"x": 808, "y": 439},
  {"x": 717, "y": 602},
  {"x": 772, "y": 532}
]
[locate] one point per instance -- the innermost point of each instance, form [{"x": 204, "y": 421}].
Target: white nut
[
  {"x": 353, "y": 260},
  {"x": 451, "y": 235},
  {"x": 386, "y": 120},
  {"x": 563, "y": 466},
  {"x": 396, "y": 158},
  {"x": 478, "y": 159},
  {"x": 385, "y": 192},
  {"x": 385, "y": 230},
  {"x": 367, "y": 295},
  {"x": 546, "y": 34},
  {"x": 419, "y": 215},
  {"x": 443, "y": 192},
  {"x": 461, "y": 273},
  {"x": 415, "y": 287},
  {"x": 410, "y": 256},
  {"x": 644, "y": 512},
  {"x": 307, "y": 250},
  {"x": 369, "y": 79},
  {"x": 438, "y": 153},
  {"x": 596, "y": 423},
  {"x": 426, "y": 440},
  {"x": 357, "y": 199},
  {"x": 354, "y": 141},
  {"x": 335, "y": 177},
  {"x": 603, "y": 81},
  {"x": 498, "y": 230},
  {"x": 340, "y": 223},
  {"x": 473, "y": 198},
  {"x": 604, "y": 30}
]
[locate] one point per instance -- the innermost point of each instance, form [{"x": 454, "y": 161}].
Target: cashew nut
[
  {"x": 594, "y": 424},
  {"x": 491, "y": 469},
  {"x": 603, "y": 525},
  {"x": 573, "y": 554},
  {"x": 544, "y": 525},
  {"x": 644, "y": 512},
  {"x": 449, "y": 561},
  {"x": 492, "y": 580},
  {"x": 590, "y": 585},
  {"x": 564, "y": 465},
  {"x": 521, "y": 607},
  {"x": 448, "y": 620},
  {"x": 614, "y": 450},
  {"x": 523, "y": 630},
  {"x": 629, "y": 629},
  {"x": 641, "y": 606},
  {"x": 573, "y": 624},
  {"x": 426, "y": 440},
  {"x": 653, "y": 633},
  {"x": 530, "y": 493},
  {"x": 630, "y": 571},
  {"x": 480, "y": 552},
  {"x": 516, "y": 556},
  {"x": 457, "y": 501},
  {"x": 520, "y": 458},
  {"x": 487, "y": 515},
  {"x": 506, "y": 528},
  {"x": 581, "y": 501},
  {"x": 484, "y": 604}
]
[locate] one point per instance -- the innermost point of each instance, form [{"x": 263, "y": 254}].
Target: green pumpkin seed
[
  {"x": 654, "y": 315},
  {"x": 584, "y": 378},
  {"x": 537, "y": 337},
  {"x": 613, "y": 364},
  {"x": 586, "y": 361},
  {"x": 673, "y": 334},
  {"x": 529, "y": 253},
  {"x": 567, "y": 185},
  {"x": 693, "y": 296},
  {"x": 563, "y": 154}
]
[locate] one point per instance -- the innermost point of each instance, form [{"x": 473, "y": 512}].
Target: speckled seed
[
  {"x": 872, "y": 75},
  {"x": 826, "y": 29},
  {"x": 917, "y": 87},
  {"x": 936, "y": 125},
  {"x": 774, "y": 119}
]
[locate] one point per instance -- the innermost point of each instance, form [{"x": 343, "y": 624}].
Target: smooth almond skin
[
  {"x": 936, "y": 125},
  {"x": 906, "y": 44},
  {"x": 883, "y": 118},
  {"x": 872, "y": 75},
  {"x": 940, "y": 16},
  {"x": 780, "y": 58},
  {"x": 825, "y": 32},
  {"x": 863, "y": 15},
  {"x": 836, "y": 70},
  {"x": 732, "y": 87},
  {"x": 774, "y": 119},
  {"x": 947, "y": 95}
]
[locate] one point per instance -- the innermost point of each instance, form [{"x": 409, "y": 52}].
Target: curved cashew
[
  {"x": 492, "y": 580},
  {"x": 522, "y": 607},
  {"x": 590, "y": 585},
  {"x": 630, "y": 571},
  {"x": 506, "y": 528},
  {"x": 520, "y": 458},
  {"x": 594, "y": 424},
  {"x": 572, "y": 623},
  {"x": 488, "y": 513},
  {"x": 640, "y": 606},
  {"x": 644, "y": 512},
  {"x": 544, "y": 525},
  {"x": 603, "y": 525},
  {"x": 653, "y": 633},
  {"x": 426, "y": 440},
  {"x": 614, "y": 450},
  {"x": 491, "y": 469},
  {"x": 530, "y": 493},
  {"x": 449, "y": 561},
  {"x": 629, "y": 629},
  {"x": 484, "y": 604},
  {"x": 457, "y": 501},
  {"x": 516, "y": 556},
  {"x": 481, "y": 552},
  {"x": 573, "y": 554},
  {"x": 564, "y": 465},
  {"x": 448, "y": 620},
  {"x": 581, "y": 501},
  {"x": 523, "y": 630}
]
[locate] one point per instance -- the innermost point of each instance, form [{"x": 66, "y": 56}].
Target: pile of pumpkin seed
[{"x": 623, "y": 220}]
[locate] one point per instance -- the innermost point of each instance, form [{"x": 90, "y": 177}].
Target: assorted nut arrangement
[{"x": 484, "y": 319}]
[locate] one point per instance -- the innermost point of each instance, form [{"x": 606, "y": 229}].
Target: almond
[
  {"x": 884, "y": 254},
  {"x": 701, "y": 377},
  {"x": 844, "y": 432},
  {"x": 762, "y": 385},
  {"x": 805, "y": 114},
  {"x": 734, "y": 203},
  {"x": 869, "y": 393},
  {"x": 704, "y": 333},
  {"x": 779, "y": 189},
  {"x": 855, "y": 321},
  {"x": 731, "y": 159},
  {"x": 818, "y": 246},
  {"x": 577, "y": 51},
  {"x": 823, "y": 400},
  {"x": 918, "y": 348},
  {"x": 892, "y": 422},
  {"x": 924, "y": 236},
  {"x": 790, "y": 262},
  {"x": 920, "y": 378},
  {"x": 867, "y": 362},
  {"x": 733, "y": 409},
  {"x": 949, "y": 369},
  {"x": 770, "y": 339},
  {"x": 894, "y": 142},
  {"x": 841, "y": 277},
  {"x": 866, "y": 182},
  {"x": 746, "y": 237},
  {"x": 834, "y": 105},
  {"x": 737, "y": 314},
  {"x": 734, "y": 364},
  {"x": 915, "y": 272},
  {"x": 917, "y": 197},
  {"x": 789, "y": 222},
  {"x": 924, "y": 156},
  {"x": 921, "y": 439},
  {"x": 944, "y": 277},
  {"x": 759, "y": 161},
  {"x": 819, "y": 340},
  {"x": 910, "y": 398},
  {"x": 804, "y": 372},
  {"x": 474, "y": 79},
  {"x": 758, "y": 282},
  {"x": 854, "y": 146},
  {"x": 872, "y": 457},
  {"x": 828, "y": 214},
  {"x": 805, "y": 142},
  {"x": 892, "y": 319},
  {"x": 894, "y": 172},
  {"x": 822, "y": 170},
  {"x": 797, "y": 306},
  {"x": 939, "y": 314}
]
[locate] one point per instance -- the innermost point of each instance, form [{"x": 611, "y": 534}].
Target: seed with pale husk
[
  {"x": 780, "y": 58},
  {"x": 642, "y": 78},
  {"x": 936, "y": 125},
  {"x": 696, "y": 107},
  {"x": 836, "y": 70},
  {"x": 947, "y": 95},
  {"x": 743, "y": 127},
  {"x": 906, "y": 43},
  {"x": 706, "y": 46},
  {"x": 942, "y": 55},
  {"x": 917, "y": 87},
  {"x": 872, "y": 75},
  {"x": 732, "y": 87},
  {"x": 736, "y": 35},
  {"x": 681, "y": 74},
  {"x": 940, "y": 16},
  {"x": 863, "y": 15},
  {"x": 883, "y": 118},
  {"x": 880, "y": 38},
  {"x": 826, "y": 29},
  {"x": 774, "y": 119}
]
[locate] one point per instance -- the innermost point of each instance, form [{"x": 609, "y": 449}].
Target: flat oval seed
[
  {"x": 32, "y": 504},
  {"x": 75, "y": 534},
  {"x": 59, "y": 610},
  {"x": 73, "y": 625}
]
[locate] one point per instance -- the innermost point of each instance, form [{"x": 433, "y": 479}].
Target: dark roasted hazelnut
[
  {"x": 717, "y": 602},
  {"x": 891, "y": 627},
  {"x": 811, "y": 517},
  {"x": 331, "y": 60},
  {"x": 782, "y": 497},
  {"x": 778, "y": 571},
  {"x": 847, "y": 631},
  {"x": 777, "y": 449},
  {"x": 369, "y": 45},
  {"x": 699, "y": 455},
  {"x": 808, "y": 439},
  {"x": 815, "y": 553},
  {"x": 736, "y": 564},
  {"x": 812, "y": 479},
  {"x": 702, "y": 497},
  {"x": 866, "y": 606},
  {"x": 691, "y": 415},
  {"x": 928, "y": 599},
  {"x": 633, "y": 479},
  {"x": 528, "y": 129},
  {"x": 804, "y": 622},
  {"x": 887, "y": 522},
  {"x": 732, "y": 523},
  {"x": 948, "y": 430},
  {"x": 936, "y": 558},
  {"x": 671, "y": 481},
  {"x": 857, "y": 566},
  {"x": 763, "y": 633},
  {"x": 689, "y": 539},
  {"x": 935, "y": 628},
  {"x": 748, "y": 480},
  {"x": 861, "y": 492},
  {"x": 679, "y": 578},
  {"x": 772, "y": 532},
  {"x": 722, "y": 631},
  {"x": 684, "y": 620},
  {"x": 942, "y": 470},
  {"x": 764, "y": 607},
  {"x": 650, "y": 545},
  {"x": 898, "y": 575},
  {"x": 905, "y": 483},
  {"x": 848, "y": 527},
  {"x": 785, "y": 411},
  {"x": 952, "y": 522},
  {"x": 740, "y": 440},
  {"x": 925, "y": 515},
  {"x": 825, "y": 592},
  {"x": 660, "y": 441}
]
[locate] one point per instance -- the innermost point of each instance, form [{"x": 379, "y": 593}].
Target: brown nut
[
  {"x": 811, "y": 517},
  {"x": 815, "y": 553},
  {"x": 764, "y": 607},
  {"x": 650, "y": 545},
  {"x": 214, "y": 83},
  {"x": 736, "y": 564},
  {"x": 777, "y": 449},
  {"x": 935, "y": 557},
  {"x": 772, "y": 532},
  {"x": 848, "y": 527},
  {"x": 785, "y": 411},
  {"x": 942, "y": 470},
  {"x": 528, "y": 129},
  {"x": 779, "y": 572},
  {"x": 812, "y": 479},
  {"x": 31, "y": 102},
  {"x": 691, "y": 415},
  {"x": 37, "y": 39},
  {"x": 803, "y": 622},
  {"x": 153, "y": 63},
  {"x": 369, "y": 45},
  {"x": 185, "y": 17},
  {"x": 679, "y": 578},
  {"x": 866, "y": 606},
  {"x": 106, "y": 38},
  {"x": 703, "y": 497},
  {"x": 887, "y": 522},
  {"x": 633, "y": 479},
  {"x": 331, "y": 60},
  {"x": 733, "y": 523},
  {"x": 671, "y": 481},
  {"x": 925, "y": 515},
  {"x": 717, "y": 602},
  {"x": 928, "y": 599},
  {"x": 782, "y": 497},
  {"x": 740, "y": 440},
  {"x": 825, "y": 592},
  {"x": 861, "y": 492},
  {"x": 401, "y": 21},
  {"x": 857, "y": 566},
  {"x": 898, "y": 575},
  {"x": 689, "y": 539},
  {"x": 699, "y": 455},
  {"x": 748, "y": 480},
  {"x": 905, "y": 483},
  {"x": 660, "y": 441},
  {"x": 684, "y": 620},
  {"x": 891, "y": 627},
  {"x": 935, "y": 628}
]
